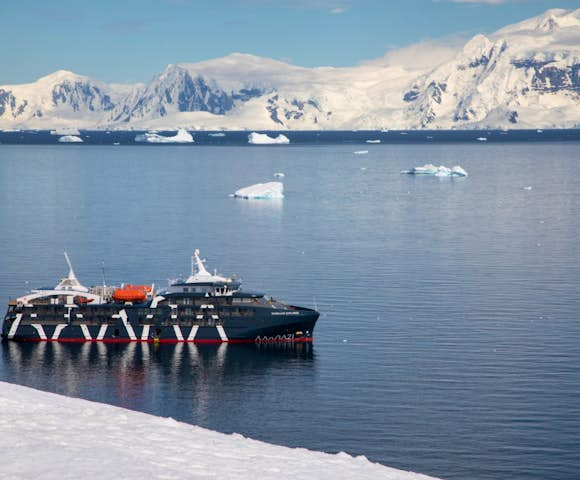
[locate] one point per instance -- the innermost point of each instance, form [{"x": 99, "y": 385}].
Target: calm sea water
[{"x": 449, "y": 340}]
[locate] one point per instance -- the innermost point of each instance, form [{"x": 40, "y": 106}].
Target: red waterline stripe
[{"x": 167, "y": 340}]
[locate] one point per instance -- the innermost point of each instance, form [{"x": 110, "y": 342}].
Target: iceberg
[
  {"x": 481, "y": 139},
  {"x": 263, "y": 139},
  {"x": 182, "y": 136},
  {"x": 70, "y": 139},
  {"x": 279, "y": 175},
  {"x": 219, "y": 134},
  {"x": 361, "y": 152},
  {"x": 261, "y": 191},
  {"x": 373, "y": 141},
  {"x": 440, "y": 171}
]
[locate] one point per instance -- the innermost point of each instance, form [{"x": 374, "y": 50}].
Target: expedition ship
[{"x": 204, "y": 308}]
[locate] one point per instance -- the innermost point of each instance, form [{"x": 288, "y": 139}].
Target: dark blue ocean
[{"x": 449, "y": 336}]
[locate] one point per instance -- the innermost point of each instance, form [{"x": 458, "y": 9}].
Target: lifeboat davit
[{"x": 131, "y": 293}]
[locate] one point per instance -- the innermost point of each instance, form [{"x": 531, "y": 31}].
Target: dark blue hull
[{"x": 125, "y": 325}]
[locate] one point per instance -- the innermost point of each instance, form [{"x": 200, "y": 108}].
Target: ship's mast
[{"x": 201, "y": 270}]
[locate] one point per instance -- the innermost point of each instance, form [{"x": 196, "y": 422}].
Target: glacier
[
  {"x": 263, "y": 139},
  {"x": 182, "y": 136},
  {"x": 268, "y": 190},
  {"x": 523, "y": 76},
  {"x": 52, "y": 437}
]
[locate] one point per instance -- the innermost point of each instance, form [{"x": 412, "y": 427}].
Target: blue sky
[{"x": 132, "y": 40}]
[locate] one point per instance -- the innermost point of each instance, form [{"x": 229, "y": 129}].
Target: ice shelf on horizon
[
  {"x": 263, "y": 139},
  {"x": 51, "y": 436},
  {"x": 182, "y": 136}
]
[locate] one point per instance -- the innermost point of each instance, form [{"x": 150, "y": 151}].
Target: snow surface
[
  {"x": 182, "y": 136},
  {"x": 52, "y": 437},
  {"x": 261, "y": 191},
  {"x": 440, "y": 171},
  {"x": 70, "y": 139},
  {"x": 263, "y": 139}
]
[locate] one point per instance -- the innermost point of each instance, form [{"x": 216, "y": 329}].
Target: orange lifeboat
[{"x": 131, "y": 293}]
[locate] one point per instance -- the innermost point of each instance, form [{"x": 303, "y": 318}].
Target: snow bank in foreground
[
  {"x": 49, "y": 436},
  {"x": 182, "y": 136},
  {"x": 262, "y": 190},
  {"x": 263, "y": 139},
  {"x": 70, "y": 139},
  {"x": 440, "y": 171}
]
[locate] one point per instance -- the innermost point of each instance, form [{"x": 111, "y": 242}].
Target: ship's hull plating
[{"x": 266, "y": 326}]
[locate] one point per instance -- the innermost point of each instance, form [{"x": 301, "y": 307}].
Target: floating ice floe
[
  {"x": 440, "y": 171},
  {"x": 263, "y": 139},
  {"x": 65, "y": 131},
  {"x": 70, "y": 139},
  {"x": 481, "y": 139},
  {"x": 373, "y": 141},
  {"x": 182, "y": 136},
  {"x": 261, "y": 191},
  {"x": 218, "y": 134},
  {"x": 279, "y": 175},
  {"x": 361, "y": 152}
]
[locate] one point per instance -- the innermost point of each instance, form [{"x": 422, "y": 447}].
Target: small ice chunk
[
  {"x": 373, "y": 141},
  {"x": 218, "y": 134},
  {"x": 529, "y": 187},
  {"x": 481, "y": 139},
  {"x": 261, "y": 191},
  {"x": 182, "y": 136},
  {"x": 70, "y": 139},
  {"x": 263, "y": 139},
  {"x": 279, "y": 175},
  {"x": 361, "y": 152}
]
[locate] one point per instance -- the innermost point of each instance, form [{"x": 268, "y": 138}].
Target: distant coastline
[{"x": 372, "y": 139}]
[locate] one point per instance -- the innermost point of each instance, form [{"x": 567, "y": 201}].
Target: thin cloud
[{"x": 424, "y": 54}]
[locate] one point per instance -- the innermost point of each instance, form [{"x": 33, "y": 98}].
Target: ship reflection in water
[{"x": 208, "y": 385}]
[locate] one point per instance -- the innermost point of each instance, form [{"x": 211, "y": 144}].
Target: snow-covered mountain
[
  {"x": 62, "y": 99},
  {"x": 526, "y": 75}
]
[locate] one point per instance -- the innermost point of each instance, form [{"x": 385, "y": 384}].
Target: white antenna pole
[
  {"x": 68, "y": 260},
  {"x": 103, "y": 266}
]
